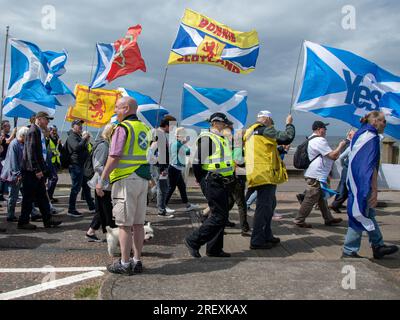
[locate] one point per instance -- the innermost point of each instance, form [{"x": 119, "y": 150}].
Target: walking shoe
[
  {"x": 51, "y": 223},
  {"x": 54, "y": 211},
  {"x": 267, "y": 245},
  {"x": 193, "y": 252},
  {"x": 165, "y": 215},
  {"x": 353, "y": 255},
  {"x": 221, "y": 254},
  {"x": 337, "y": 210},
  {"x": 53, "y": 200},
  {"x": 192, "y": 207},
  {"x": 12, "y": 219},
  {"x": 246, "y": 227},
  {"x": 118, "y": 268},
  {"x": 92, "y": 238},
  {"x": 230, "y": 224},
  {"x": 274, "y": 241},
  {"x": 333, "y": 221},
  {"x": 169, "y": 210},
  {"x": 75, "y": 214},
  {"x": 300, "y": 197},
  {"x": 245, "y": 233},
  {"x": 303, "y": 225},
  {"x": 26, "y": 226},
  {"x": 138, "y": 267},
  {"x": 37, "y": 217},
  {"x": 92, "y": 210},
  {"x": 383, "y": 250}
]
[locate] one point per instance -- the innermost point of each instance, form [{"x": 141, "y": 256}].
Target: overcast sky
[{"x": 281, "y": 26}]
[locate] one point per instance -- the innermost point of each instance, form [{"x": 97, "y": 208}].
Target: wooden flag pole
[
  {"x": 161, "y": 95},
  {"x": 295, "y": 77},
  {"x": 4, "y": 73}
]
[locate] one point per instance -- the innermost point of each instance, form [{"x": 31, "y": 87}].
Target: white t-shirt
[{"x": 321, "y": 167}]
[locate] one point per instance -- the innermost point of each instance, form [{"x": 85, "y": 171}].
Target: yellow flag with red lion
[{"x": 94, "y": 106}]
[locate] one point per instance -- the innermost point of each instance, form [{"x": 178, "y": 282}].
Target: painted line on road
[
  {"x": 49, "y": 285},
  {"x": 51, "y": 269}
]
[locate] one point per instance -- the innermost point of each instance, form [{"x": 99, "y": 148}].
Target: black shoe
[
  {"x": 267, "y": 245},
  {"x": 384, "y": 250},
  {"x": 92, "y": 238},
  {"x": 26, "y": 226},
  {"x": 138, "y": 268},
  {"x": 353, "y": 255},
  {"x": 337, "y": 210},
  {"x": 165, "y": 215},
  {"x": 75, "y": 214},
  {"x": 53, "y": 200},
  {"x": 222, "y": 254},
  {"x": 245, "y": 234},
  {"x": 37, "y": 217},
  {"x": 230, "y": 224},
  {"x": 193, "y": 252},
  {"x": 274, "y": 241},
  {"x": 118, "y": 268},
  {"x": 333, "y": 221},
  {"x": 13, "y": 219},
  {"x": 51, "y": 223},
  {"x": 246, "y": 227},
  {"x": 300, "y": 197}
]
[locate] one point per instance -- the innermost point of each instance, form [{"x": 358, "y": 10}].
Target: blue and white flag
[
  {"x": 148, "y": 110},
  {"x": 34, "y": 82},
  {"x": 342, "y": 85},
  {"x": 198, "y": 104},
  {"x": 363, "y": 159}
]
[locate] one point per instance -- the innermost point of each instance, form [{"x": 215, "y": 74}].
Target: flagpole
[
  {"x": 295, "y": 77},
  {"x": 4, "y": 74},
  {"x": 161, "y": 94},
  {"x": 91, "y": 73}
]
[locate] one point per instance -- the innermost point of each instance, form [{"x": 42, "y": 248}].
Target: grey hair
[{"x": 22, "y": 132}]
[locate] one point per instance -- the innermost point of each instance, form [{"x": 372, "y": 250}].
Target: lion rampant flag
[
  {"x": 95, "y": 107},
  {"x": 203, "y": 40}
]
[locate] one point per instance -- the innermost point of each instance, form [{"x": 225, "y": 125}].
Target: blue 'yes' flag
[{"x": 342, "y": 85}]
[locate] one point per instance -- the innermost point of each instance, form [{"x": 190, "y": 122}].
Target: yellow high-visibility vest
[
  {"x": 55, "y": 158},
  {"x": 135, "y": 149}
]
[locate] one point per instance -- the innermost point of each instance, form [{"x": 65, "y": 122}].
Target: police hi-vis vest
[
  {"x": 55, "y": 153},
  {"x": 221, "y": 160},
  {"x": 263, "y": 163},
  {"x": 135, "y": 149}
]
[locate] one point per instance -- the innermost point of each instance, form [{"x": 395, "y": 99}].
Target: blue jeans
[
  {"x": 162, "y": 190},
  {"x": 76, "y": 173},
  {"x": 251, "y": 199},
  {"x": 352, "y": 243},
  {"x": 12, "y": 199}
]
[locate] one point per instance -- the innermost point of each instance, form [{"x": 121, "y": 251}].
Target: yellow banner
[
  {"x": 94, "y": 106},
  {"x": 203, "y": 40}
]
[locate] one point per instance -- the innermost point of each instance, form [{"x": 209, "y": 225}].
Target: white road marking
[
  {"x": 47, "y": 269},
  {"x": 49, "y": 285}
]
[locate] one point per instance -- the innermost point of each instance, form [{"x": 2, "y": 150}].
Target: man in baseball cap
[
  {"x": 42, "y": 114},
  {"x": 77, "y": 122},
  {"x": 319, "y": 125}
]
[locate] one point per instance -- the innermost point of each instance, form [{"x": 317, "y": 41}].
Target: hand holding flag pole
[{"x": 295, "y": 77}]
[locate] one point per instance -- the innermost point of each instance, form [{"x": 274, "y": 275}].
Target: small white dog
[{"x": 113, "y": 238}]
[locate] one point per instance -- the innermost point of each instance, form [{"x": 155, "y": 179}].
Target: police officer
[
  {"x": 213, "y": 168},
  {"x": 55, "y": 148}
]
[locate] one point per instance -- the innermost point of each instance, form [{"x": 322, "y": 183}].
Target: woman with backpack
[{"x": 103, "y": 216}]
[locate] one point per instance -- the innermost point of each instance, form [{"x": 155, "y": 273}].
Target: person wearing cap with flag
[
  {"x": 34, "y": 171},
  {"x": 322, "y": 158},
  {"x": 264, "y": 171},
  {"x": 214, "y": 170}
]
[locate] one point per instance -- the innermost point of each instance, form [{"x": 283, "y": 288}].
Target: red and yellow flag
[{"x": 94, "y": 106}]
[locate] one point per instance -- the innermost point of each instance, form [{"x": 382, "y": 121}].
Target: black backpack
[
  {"x": 65, "y": 156},
  {"x": 301, "y": 159}
]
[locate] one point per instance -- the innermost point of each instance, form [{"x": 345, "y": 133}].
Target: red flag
[{"x": 127, "y": 56}]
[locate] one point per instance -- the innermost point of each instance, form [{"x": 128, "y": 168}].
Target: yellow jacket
[{"x": 263, "y": 163}]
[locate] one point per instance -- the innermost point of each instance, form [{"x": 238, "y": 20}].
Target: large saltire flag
[
  {"x": 206, "y": 41},
  {"x": 94, "y": 106},
  {"x": 148, "y": 110},
  {"x": 34, "y": 81},
  {"x": 342, "y": 85},
  {"x": 118, "y": 59},
  {"x": 198, "y": 104}
]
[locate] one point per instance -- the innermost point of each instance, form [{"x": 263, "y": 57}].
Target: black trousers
[
  {"x": 212, "y": 229},
  {"x": 175, "y": 179},
  {"x": 238, "y": 196},
  {"x": 103, "y": 216},
  {"x": 34, "y": 192}
]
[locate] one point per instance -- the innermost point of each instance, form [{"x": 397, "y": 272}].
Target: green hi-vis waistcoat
[
  {"x": 135, "y": 149},
  {"x": 263, "y": 163},
  {"x": 55, "y": 153},
  {"x": 221, "y": 160}
]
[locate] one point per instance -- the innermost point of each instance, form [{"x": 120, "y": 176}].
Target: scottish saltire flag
[
  {"x": 206, "y": 41},
  {"x": 148, "y": 110},
  {"x": 342, "y": 85},
  {"x": 34, "y": 81},
  {"x": 118, "y": 59},
  {"x": 198, "y": 104},
  {"x": 363, "y": 159}
]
